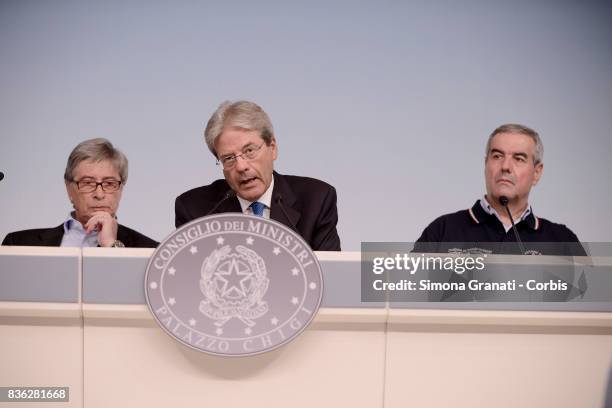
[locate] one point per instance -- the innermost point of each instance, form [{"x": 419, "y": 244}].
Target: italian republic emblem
[{"x": 233, "y": 285}]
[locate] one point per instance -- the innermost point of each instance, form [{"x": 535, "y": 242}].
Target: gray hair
[
  {"x": 515, "y": 128},
  {"x": 240, "y": 114},
  {"x": 96, "y": 150}
]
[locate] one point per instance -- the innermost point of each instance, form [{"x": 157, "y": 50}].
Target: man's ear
[
  {"x": 274, "y": 148},
  {"x": 69, "y": 191},
  {"x": 539, "y": 169}
]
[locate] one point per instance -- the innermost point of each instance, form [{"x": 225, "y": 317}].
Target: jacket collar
[
  {"x": 478, "y": 216},
  {"x": 52, "y": 236},
  {"x": 283, "y": 196}
]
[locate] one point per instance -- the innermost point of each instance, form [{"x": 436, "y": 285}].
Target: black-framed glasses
[
  {"x": 248, "y": 153},
  {"x": 90, "y": 185}
]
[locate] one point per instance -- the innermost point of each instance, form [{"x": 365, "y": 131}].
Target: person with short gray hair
[
  {"x": 538, "y": 155},
  {"x": 97, "y": 150},
  {"x": 241, "y": 114},
  {"x": 95, "y": 175},
  {"x": 502, "y": 220},
  {"x": 241, "y": 138}
]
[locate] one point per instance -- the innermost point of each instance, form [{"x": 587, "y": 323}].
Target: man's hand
[{"x": 106, "y": 225}]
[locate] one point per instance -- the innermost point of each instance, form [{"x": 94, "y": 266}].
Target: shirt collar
[
  {"x": 482, "y": 210},
  {"x": 265, "y": 199},
  {"x": 72, "y": 223},
  {"x": 76, "y": 236}
]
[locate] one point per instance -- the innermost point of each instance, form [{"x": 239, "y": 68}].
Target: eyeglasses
[
  {"x": 248, "y": 153},
  {"x": 89, "y": 185}
]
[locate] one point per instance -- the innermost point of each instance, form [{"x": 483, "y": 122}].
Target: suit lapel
[
  {"x": 283, "y": 191},
  {"x": 230, "y": 205},
  {"x": 52, "y": 236},
  {"x": 123, "y": 236}
]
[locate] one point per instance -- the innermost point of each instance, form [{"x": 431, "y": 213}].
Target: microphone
[
  {"x": 1, "y": 175},
  {"x": 229, "y": 194},
  {"x": 279, "y": 201},
  {"x": 503, "y": 200}
]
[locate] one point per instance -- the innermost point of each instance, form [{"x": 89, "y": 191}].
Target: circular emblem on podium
[{"x": 233, "y": 285}]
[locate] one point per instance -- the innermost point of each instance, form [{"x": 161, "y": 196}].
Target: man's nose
[
  {"x": 507, "y": 164},
  {"x": 99, "y": 192},
  {"x": 242, "y": 164}
]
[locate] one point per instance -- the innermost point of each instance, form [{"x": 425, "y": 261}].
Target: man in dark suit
[
  {"x": 95, "y": 175},
  {"x": 241, "y": 137}
]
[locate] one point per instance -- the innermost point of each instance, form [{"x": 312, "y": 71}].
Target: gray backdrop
[{"x": 389, "y": 101}]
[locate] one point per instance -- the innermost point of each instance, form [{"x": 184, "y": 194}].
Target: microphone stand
[{"x": 503, "y": 200}]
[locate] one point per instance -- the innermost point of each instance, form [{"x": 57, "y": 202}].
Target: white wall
[{"x": 391, "y": 102}]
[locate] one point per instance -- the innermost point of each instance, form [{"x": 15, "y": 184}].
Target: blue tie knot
[{"x": 257, "y": 208}]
